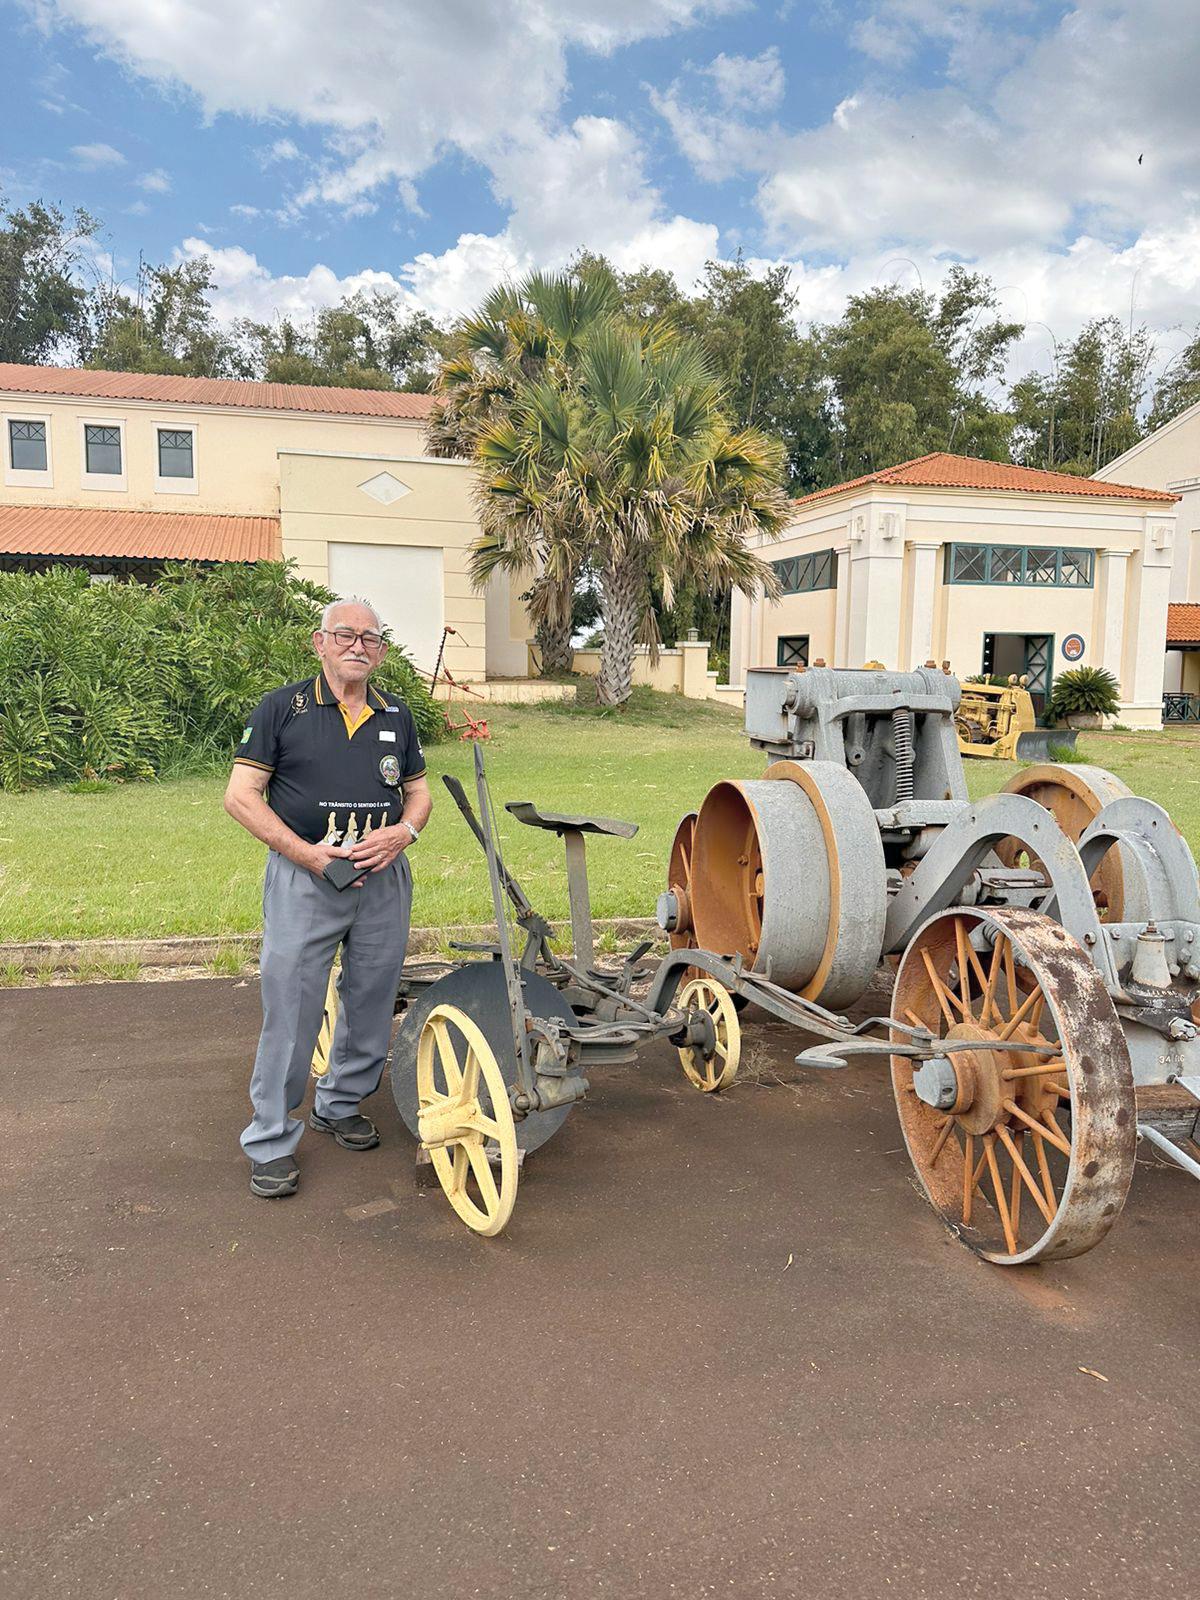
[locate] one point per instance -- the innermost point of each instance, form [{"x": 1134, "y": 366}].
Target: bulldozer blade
[{"x": 1034, "y": 744}]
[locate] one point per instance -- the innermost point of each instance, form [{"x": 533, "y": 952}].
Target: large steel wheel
[
  {"x": 1073, "y": 795},
  {"x": 1027, "y": 1157},
  {"x": 679, "y": 883},
  {"x": 468, "y": 1144}
]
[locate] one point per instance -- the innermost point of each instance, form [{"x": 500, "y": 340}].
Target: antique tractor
[{"x": 1046, "y": 942}]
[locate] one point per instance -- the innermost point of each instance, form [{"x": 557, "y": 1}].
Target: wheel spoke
[
  {"x": 1010, "y": 1237},
  {"x": 1018, "y": 1016},
  {"x": 458, "y": 1171},
  {"x": 1039, "y": 1145},
  {"x": 1036, "y": 1072},
  {"x": 446, "y": 1055},
  {"x": 482, "y": 1168},
  {"x": 1054, "y": 1135},
  {"x": 1047, "y": 1208},
  {"x": 487, "y": 1126},
  {"x": 938, "y": 988},
  {"x": 468, "y": 1088},
  {"x": 968, "y": 1178},
  {"x": 989, "y": 994},
  {"x": 964, "y": 966},
  {"x": 1010, "y": 973},
  {"x": 941, "y": 1140}
]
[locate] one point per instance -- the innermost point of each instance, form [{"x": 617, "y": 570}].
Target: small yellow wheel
[
  {"x": 718, "y": 1069},
  {"x": 320, "y": 1060},
  {"x": 464, "y": 1115}
]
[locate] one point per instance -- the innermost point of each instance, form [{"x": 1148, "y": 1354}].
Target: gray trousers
[{"x": 304, "y": 921}]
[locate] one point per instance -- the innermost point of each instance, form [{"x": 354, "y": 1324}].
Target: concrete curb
[{"x": 67, "y": 955}]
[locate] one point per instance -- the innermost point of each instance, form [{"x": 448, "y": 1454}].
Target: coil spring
[{"x": 902, "y": 741}]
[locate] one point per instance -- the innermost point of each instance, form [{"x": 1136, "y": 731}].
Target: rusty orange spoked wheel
[
  {"x": 1026, "y": 1155},
  {"x": 1074, "y": 796},
  {"x": 679, "y": 883}
]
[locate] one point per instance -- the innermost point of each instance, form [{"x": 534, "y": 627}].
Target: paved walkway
[{"x": 630, "y": 1394}]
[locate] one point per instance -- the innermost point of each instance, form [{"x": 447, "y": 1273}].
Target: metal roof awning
[{"x": 137, "y": 535}]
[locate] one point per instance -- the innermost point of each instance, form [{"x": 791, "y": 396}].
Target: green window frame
[
  {"x": 1024, "y": 565},
  {"x": 176, "y": 457},
  {"x": 791, "y": 650},
  {"x": 805, "y": 574},
  {"x": 102, "y": 450},
  {"x": 27, "y": 449}
]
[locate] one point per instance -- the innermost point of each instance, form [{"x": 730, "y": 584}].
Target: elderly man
[{"x": 328, "y": 771}]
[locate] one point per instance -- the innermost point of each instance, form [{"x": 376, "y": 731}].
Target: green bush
[
  {"x": 113, "y": 681},
  {"x": 1083, "y": 690}
]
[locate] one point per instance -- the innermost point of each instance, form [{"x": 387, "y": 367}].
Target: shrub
[
  {"x": 1083, "y": 690},
  {"x": 113, "y": 681}
]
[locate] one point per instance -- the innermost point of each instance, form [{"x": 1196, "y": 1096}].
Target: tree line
[{"x": 900, "y": 373}]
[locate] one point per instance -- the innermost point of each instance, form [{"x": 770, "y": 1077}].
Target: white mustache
[{"x": 362, "y": 661}]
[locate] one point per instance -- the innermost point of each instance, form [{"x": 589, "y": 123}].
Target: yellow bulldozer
[{"x": 998, "y": 720}]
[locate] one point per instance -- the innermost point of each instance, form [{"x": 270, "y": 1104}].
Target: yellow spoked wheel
[
  {"x": 320, "y": 1060},
  {"x": 716, "y": 1067},
  {"x": 464, "y": 1117}
]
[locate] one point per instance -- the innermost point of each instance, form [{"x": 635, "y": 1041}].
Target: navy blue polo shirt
[{"x": 328, "y": 784}]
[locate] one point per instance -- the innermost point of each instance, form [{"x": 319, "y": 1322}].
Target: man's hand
[
  {"x": 316, "y": 855},
  {"x": 381, "y": 847}
]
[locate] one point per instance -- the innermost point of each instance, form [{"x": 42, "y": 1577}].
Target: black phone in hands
[{"x": 342, "y": 872}]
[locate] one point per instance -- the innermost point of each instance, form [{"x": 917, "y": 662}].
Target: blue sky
[{"x": 313, "y": 147}]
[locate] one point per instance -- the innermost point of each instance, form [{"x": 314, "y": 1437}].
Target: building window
[
  {"x": 791, "y": 650},
  {"x": 1020, "y": 564},
  {"x": 801, "y": 574},
  {"x": 27, "y": 446},
  {"x": 175, "y": 453},
  {"x": 102, "y": 449}
]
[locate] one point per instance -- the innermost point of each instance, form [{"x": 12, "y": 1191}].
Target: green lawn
[{"x": 158, "y": 859}]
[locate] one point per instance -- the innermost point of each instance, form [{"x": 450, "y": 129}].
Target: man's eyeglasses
[{"x": 345, "y": 637}]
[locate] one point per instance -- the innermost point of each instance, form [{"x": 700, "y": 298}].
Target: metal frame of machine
[{"x": 1044, "y": 1011}]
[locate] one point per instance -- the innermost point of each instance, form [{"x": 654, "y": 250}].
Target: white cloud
[
  {"x": 244, "y": 211},
  {"x": 280, "y": 150},
  {"x": 748, "y": 83},
  {"x": 393, "y": 86},
  {"x": 156, "y": 182},
  {"x": 1047, "y": 149},
  {"x": 95, "y": 156}
]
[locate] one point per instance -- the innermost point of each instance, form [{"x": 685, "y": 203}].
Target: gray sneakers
[
  {"x": 352, "y": 1133},
  {"x": 270, "y": 1179}
]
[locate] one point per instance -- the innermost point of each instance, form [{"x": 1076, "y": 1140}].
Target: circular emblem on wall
[
  {"x": 1073, "y": 646},
  {"x": 389, "y": 771}
]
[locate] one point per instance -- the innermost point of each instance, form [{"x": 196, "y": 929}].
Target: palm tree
[
  {"x": 633, "y": 466},
  {"x": 534, "y": 331}
]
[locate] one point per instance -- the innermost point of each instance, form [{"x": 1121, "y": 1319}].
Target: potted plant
[{"x": 1083, "y": 697}]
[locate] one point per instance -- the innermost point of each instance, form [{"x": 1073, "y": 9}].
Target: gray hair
[{"x": 350, "y": 600}]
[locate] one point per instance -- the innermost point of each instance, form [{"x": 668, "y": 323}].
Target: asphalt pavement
[{"x": 725, "y": 1348}]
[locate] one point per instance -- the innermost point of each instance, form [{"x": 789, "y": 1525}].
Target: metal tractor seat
[
  {"x": 526, "y": 811},
  {"x": 571, "y": 830}
]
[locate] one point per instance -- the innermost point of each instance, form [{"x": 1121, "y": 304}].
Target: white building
[
  {"x": 1169, "y": 459},
  {"x": 991, "y": 567}
]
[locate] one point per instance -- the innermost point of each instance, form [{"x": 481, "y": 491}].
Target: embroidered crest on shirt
[
  {"x": 389, "y": 771},
  {"x": 299, "y": 701}
]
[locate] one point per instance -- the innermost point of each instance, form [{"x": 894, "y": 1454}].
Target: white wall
[{"x": 405, "y": 584}]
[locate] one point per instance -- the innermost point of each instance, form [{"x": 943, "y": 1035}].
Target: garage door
[{"x": 404, "y": 583}]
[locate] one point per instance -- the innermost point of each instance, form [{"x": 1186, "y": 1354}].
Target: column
[
  {"x": 1114, "y": 583},
  {"x": 839, "y": 656},
  {"x": 924, "y": 597}
]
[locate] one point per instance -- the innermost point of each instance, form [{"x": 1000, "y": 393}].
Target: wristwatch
[{"x": 404, "y": 823}]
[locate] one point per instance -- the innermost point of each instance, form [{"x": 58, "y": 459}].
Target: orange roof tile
[
  {"x": 137, "y": 535},
  {"x": 943, "y": 471},
  {"x": 1183, "y": 624},
  {"x": 167, "y": 389}
]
